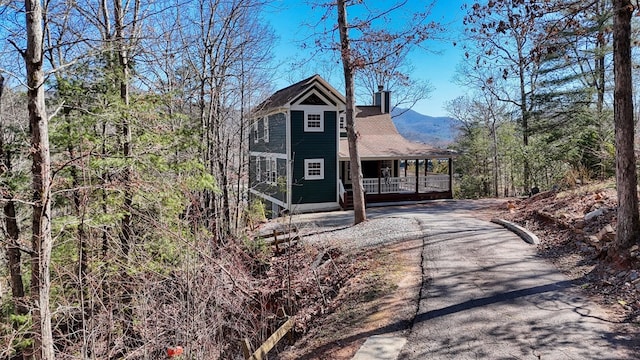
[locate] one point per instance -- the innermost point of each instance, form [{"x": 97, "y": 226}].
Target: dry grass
[{"x": 380, "y": 298}]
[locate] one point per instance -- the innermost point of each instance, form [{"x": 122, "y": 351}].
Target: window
[
  {"x": 265, "y": 123},
  {"x": 314, "y": 169},
  {"x": 314, "y": 123},
  {"x": 258, "y": 169},
  {"x": 255, "y": 132},
  {"x": 343, "y": 123},
  {"x": 271, "y": 171}
]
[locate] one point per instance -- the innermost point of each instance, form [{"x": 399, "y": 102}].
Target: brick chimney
[{"x": 382, "y": 98}]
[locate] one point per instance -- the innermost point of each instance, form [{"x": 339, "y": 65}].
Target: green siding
[
  {"x": 277, "y": 135},
  {"x": 314, "y": 145},
  {"x": 277, "y": 190},
  {"x": 277, "y": 144}
]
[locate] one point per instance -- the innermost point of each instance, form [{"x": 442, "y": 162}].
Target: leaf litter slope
[{"x": 576, "y": 228}]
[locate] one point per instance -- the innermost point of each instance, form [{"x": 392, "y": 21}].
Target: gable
[
  {"x": 301, "y": 94},
  {"x": 313, "y": 99},
  {"x": 314, "y": 95}
]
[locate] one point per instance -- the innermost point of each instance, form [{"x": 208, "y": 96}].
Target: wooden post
[
  {"x": 379, "y": 176},
  {"x": 451, "y": 176},
  {"x": 275, "y": 240},
  {"x": 417, "y": 176}
]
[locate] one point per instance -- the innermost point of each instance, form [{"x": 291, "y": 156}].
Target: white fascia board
[
  {"x": 305, "y": 208},
  {"x": 268, "y": 154},
  {"x": 289, "y": 169},
  {"x": 326, "y": 96},
  {"x": 340, "y": 99},
  {"x": 267, "y": 197}
]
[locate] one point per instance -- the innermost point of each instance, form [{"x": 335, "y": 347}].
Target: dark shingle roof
[{"x": 284, "y": 96}]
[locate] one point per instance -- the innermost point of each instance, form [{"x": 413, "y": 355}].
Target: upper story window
[
  {"x": 343, "y": 123},
  {"x": 255, "y": 132},
  {"x": 314, "y": 122},
  {"x": 265, "y": 123},
  {"x": 314, "y": 169}
]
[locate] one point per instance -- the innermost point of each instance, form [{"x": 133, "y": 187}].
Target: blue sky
[{"x": 291, "y": 18}]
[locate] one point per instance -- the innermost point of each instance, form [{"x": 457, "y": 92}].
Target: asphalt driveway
[{"x": 485, "y": 294}]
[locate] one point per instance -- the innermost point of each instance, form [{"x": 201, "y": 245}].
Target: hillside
[
  {"x": 436, "y": 131},
  {"x": 577, "y": 228}
]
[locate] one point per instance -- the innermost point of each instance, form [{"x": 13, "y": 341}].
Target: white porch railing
[
  {"x": 341, "y": 190},
  {"x": 429, "y": 183},
  {"x": 434, "y": 182}
]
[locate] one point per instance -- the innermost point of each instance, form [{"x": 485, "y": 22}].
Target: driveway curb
[
  {"x": 380, "y": 347},
  {"x": 525, "y": 234}
]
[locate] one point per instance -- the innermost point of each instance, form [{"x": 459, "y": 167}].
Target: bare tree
[
  {"x": 349, "y": 68},
  {"x": 394, "y": 73},
  {"x": 626, "y": 178},
  {"x": 354, "y": 59},
  {"x": 42, "y": 241},
  {"x": 223, "y": 40}
]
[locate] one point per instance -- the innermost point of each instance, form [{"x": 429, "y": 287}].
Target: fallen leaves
[{"x": 576, "y": 229}]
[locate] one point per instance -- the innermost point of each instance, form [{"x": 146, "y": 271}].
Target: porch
[{"x": 400, "y": 180}]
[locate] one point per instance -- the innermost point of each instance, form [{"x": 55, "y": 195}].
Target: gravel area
[{"x": 336, "y": 229}]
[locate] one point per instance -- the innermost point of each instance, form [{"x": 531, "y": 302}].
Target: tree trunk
[
  {"x": 41, "y": 178},
  {"x": 496, "y": 164},
  {"x": 127, "y": 236},
  {"x": 600, "y": 69},
  {"x": 359, "y": 211},
  {"x": 600, "y": 83},
  {"x": 525, "y": 121},
  {"x": 11, "y": 225},
  {"x": 123, "y": 58},
  {"x": 626, "y": 178}
]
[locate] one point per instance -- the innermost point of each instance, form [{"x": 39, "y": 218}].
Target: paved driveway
[{"x": 486, "y": 295}]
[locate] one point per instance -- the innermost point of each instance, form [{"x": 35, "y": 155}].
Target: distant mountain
[{"x": 436, "y": 131}]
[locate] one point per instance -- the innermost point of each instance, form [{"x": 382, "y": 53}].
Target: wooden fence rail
[{"x": 262, "y": 351}]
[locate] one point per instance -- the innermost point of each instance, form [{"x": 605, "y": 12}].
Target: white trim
[
  {"x": 303, "y": 208},
  {"x": 271, "y": 169},
  {"x": 265, "y": 125},
  {"x": 267, "y": 197},
  {"x": 319, "y": 120},
  {"x": 255, "y": 132},
  {"x": 258, "y": 169},
  {"x": 337, "y": 169},
  {"x": 322, "y": 95},
  {"x": 289, "y": 157},
  {"x": 331, "y": 90},
  {"x": 265, "y": 154},
  {"x": 307, "y": 163}
]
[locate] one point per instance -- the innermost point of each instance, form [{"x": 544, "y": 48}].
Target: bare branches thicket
[
  {"x": 129, "y": 170},
  {"x": 358, "y": 42}
]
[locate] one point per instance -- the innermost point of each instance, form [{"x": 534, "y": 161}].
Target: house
[{"x": 299, "y": 156}]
